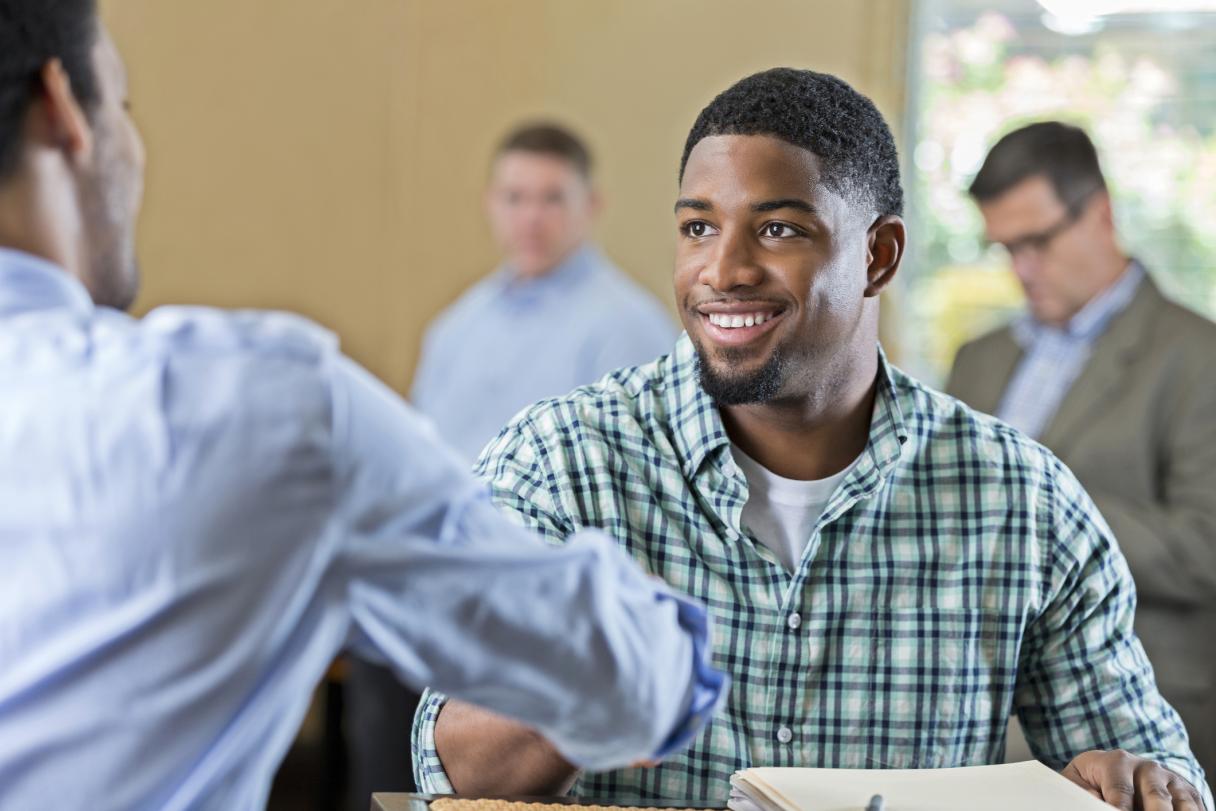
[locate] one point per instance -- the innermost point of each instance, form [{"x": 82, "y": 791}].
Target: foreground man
[
  {"x": 894, "y": 574},
  {"x": 1116, "y": 380},
  {"x": 198, "y": 510}
]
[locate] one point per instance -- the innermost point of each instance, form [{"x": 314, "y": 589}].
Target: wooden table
[{"x": 421, "y": 802}]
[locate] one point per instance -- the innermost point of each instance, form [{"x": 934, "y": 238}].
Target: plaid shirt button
[{"x": 785, "y": 735}]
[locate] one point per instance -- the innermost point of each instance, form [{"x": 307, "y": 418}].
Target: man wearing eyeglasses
[{"x": 1116, "y": 380}]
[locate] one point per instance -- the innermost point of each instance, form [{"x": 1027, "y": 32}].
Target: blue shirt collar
[
  {"x": 29, "y": 284},
  {"x": 572, "y": 270},
  {"x": 1091, "y": 320}
]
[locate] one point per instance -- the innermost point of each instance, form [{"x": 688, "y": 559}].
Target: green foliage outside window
[{"x": 1147, "y": 96}]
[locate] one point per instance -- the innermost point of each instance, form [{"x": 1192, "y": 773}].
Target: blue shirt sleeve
[
  {"x": 428, "y": 375},
  {"x": 646, "y": 333},
  {"x": 575, "y": 641}
]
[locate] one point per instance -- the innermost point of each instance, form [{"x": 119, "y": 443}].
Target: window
[{"x": 1142, "y": 83}]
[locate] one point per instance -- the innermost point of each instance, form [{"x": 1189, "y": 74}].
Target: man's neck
[
  {"x": 26, "y": 225},
  {"x": 519, "y": 277},
  {"x": 1117, "y": 268},
  {"x": 807, "y": 438}
]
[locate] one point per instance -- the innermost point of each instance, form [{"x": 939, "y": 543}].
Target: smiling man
[{"x": 894, "y": 573}]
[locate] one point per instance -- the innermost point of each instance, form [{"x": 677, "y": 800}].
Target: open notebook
[{"x": 1013, "y": 786}]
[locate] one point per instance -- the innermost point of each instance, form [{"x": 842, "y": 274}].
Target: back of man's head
[
  {"x": 32, "y": 33},
  {"x": 71, "y": 159},
  {"x": 820, "y": 113},
  {"x": 1061, "y": 153},
  {"x": 550, "y": 139}
]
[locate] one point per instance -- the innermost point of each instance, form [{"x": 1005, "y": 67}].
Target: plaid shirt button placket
[{"x": 958, "y": 573}]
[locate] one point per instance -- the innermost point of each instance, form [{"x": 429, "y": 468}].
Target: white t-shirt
[{"x": 781, "y": 513}]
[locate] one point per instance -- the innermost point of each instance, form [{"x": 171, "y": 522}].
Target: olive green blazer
[{"x": 1138, "y": 428}]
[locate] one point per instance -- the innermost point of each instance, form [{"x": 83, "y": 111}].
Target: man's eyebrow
[
  {"x": 785, "y": 202},
  {"x": 688, "y": 202}
]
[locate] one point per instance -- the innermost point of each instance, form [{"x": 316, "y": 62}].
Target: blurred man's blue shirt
[
  {"x": 507, "y": 343},
  {"x": 199, "y": 509}
]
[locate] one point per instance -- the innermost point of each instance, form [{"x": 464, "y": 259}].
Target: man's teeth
[{"x": 740, "y": 320}]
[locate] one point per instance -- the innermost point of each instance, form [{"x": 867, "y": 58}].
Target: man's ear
[
  {"x": 884, "y": 251},
  {"x": 1105, "y": 210},
  {"x": 59, "y": 120}
]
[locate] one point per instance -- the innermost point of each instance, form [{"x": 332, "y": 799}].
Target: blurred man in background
[
  {"x": 1116, "y": 379},
  {"x": 199, "y": 509},
  {"x": 556, "y": 315}
]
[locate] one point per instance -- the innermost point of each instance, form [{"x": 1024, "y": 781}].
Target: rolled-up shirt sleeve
[
  {"x": 1084, "y": 681},
  {"x": 575, "y": 641}
]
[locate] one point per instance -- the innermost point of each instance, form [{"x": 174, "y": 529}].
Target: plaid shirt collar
[{"x": 700, "y": 435}]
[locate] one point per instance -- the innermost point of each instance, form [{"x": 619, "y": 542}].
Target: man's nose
[
  {"x": 530, "y": 211},
  {"x": 1026, "y": 264},
  {"x": 733, "y": 263}
]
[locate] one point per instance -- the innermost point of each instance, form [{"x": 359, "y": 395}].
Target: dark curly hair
[
  {"x": 33, "y": 32},
  {"x": 819, "y": 113}
]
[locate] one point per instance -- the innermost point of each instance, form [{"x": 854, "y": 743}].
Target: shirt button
[
  {"x": 785, "y": 735},
  {"x": 794, "y": 620}
]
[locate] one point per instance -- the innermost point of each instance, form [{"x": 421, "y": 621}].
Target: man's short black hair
[
  {"x": 1060, "y": 152},
  {"x": 32, "y": 33},
  {"x": 821, "y": 114},
  {"x": 548, "y": 138}
]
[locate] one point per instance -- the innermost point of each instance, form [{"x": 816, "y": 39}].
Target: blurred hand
[{"x": 1129, "y": 782}]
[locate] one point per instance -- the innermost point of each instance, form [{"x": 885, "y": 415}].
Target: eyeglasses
[{"x": 1036, "y": 244}]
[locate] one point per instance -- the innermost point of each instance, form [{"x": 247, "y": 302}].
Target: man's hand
[
  {"x": 486, "y": 754},
  {"x": 1132, "y": 783}
]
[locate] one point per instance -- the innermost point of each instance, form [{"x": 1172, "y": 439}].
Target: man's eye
[
  {"x": 779, "y": 230},
  {"x": 697, "y": 229}
]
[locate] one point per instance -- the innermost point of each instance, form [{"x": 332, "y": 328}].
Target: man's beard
[
  {"x": 759, "y": 386},
  {"x": 112, "y": 277}
]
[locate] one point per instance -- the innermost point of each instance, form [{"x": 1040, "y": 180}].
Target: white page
[{"x": 1010, "y": 787}]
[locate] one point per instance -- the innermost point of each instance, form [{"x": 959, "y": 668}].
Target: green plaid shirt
[{"x": 958, "y": 574}]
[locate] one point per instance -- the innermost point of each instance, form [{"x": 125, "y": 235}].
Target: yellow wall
[{"x": 328, "y": 156}]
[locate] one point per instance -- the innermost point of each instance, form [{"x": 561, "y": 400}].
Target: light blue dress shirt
[
  {"x": 199, "y": 509},
  {"x": 1053, "y": 357},
  {"x": 506, "y": 344}
]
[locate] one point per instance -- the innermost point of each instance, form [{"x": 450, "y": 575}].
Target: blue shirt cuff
[{"x": 710, "y": 685}]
